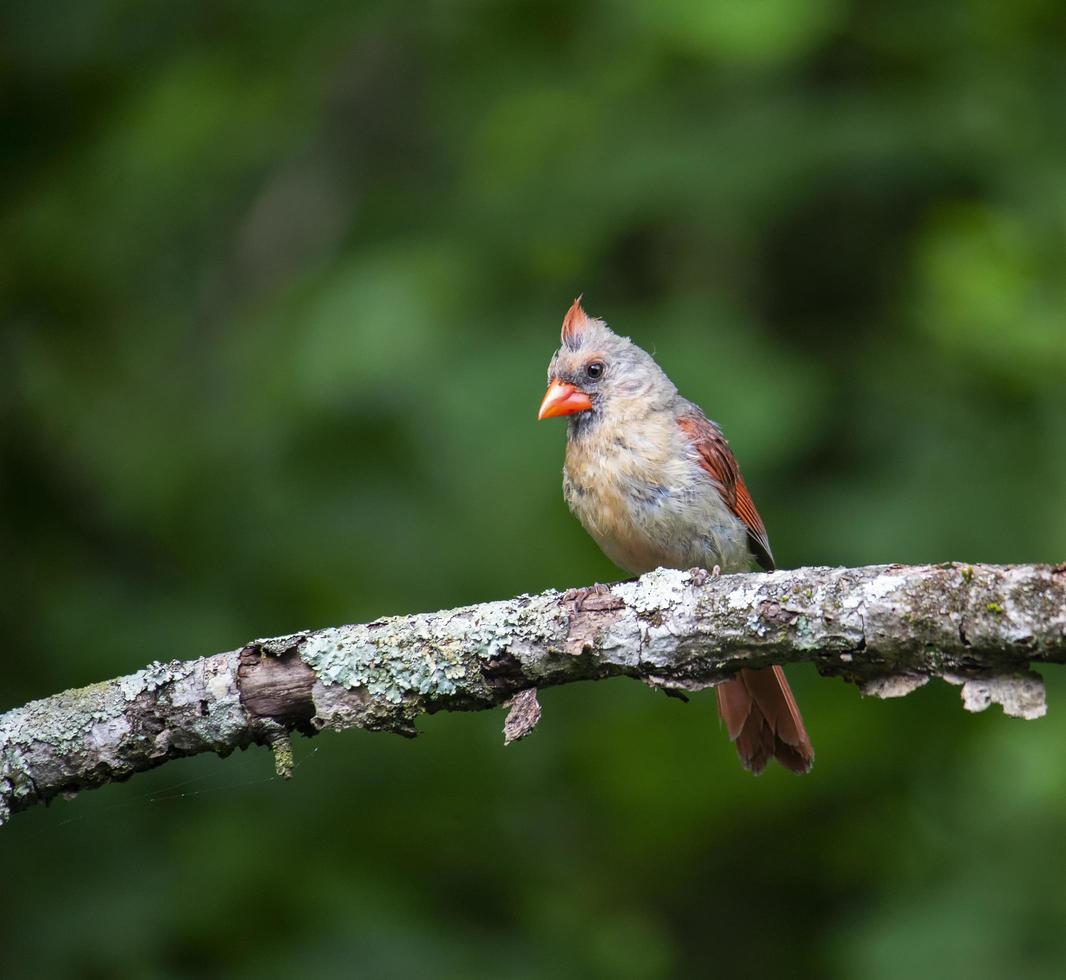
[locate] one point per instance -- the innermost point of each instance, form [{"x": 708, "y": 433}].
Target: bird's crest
[{"x": 575, "y": 323}]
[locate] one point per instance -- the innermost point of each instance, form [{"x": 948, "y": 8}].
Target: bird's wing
[{"x": 718, "y": 460}]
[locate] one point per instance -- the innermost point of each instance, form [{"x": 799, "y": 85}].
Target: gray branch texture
[{"x": 887, "y": 628}]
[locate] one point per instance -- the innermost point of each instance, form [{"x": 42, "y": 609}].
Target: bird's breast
[{"x": 647, "y": 504}]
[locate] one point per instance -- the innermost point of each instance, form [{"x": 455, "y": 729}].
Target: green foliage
[{"x": 280, "y": 283}]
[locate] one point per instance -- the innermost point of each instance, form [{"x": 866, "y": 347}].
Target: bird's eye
[{"x": 594, "y": 371}]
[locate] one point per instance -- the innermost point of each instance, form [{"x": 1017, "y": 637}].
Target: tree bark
[{"x": 887, "y": 628}]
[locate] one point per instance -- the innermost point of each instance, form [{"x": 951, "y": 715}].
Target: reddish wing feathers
[
  {"x": 757, "y": 706},
  {"x": 718, "y": 460}
]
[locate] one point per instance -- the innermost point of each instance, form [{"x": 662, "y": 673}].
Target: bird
[{"x": 655, "y": 484}]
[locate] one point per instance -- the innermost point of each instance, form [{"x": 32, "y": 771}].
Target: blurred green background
[{"x": 280, "y": 282}]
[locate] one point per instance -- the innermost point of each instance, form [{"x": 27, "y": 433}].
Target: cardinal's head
[{"x": 596, "y": 374}]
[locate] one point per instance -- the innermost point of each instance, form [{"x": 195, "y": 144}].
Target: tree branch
[{"x": 886, "y": 628}]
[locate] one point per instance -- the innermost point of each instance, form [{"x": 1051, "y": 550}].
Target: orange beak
[{"x": 563, "y": 399}]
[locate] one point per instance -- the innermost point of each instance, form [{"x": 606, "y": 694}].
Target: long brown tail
[{"x": 761, "y": 717}]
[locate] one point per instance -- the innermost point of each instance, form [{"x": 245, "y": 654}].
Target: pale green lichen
[
  {"x": 388, "y": 660},
  {"x": 153, "y": 677},
  {"x": 656, "y": 591},
  {"x": 281, "y": 746},
  {"x": 63, "y": 718},
  {"x": 431, "y": 657}
]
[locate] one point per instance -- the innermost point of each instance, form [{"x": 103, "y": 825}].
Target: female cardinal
[{"x": 655, "y": 483}]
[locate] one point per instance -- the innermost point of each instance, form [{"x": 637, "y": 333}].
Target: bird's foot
[
  {"x": 593, "y": 598},
  {"x": 700, "y": 575}
]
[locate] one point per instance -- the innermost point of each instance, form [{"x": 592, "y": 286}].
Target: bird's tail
[{"x": 761, "y": 717}]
